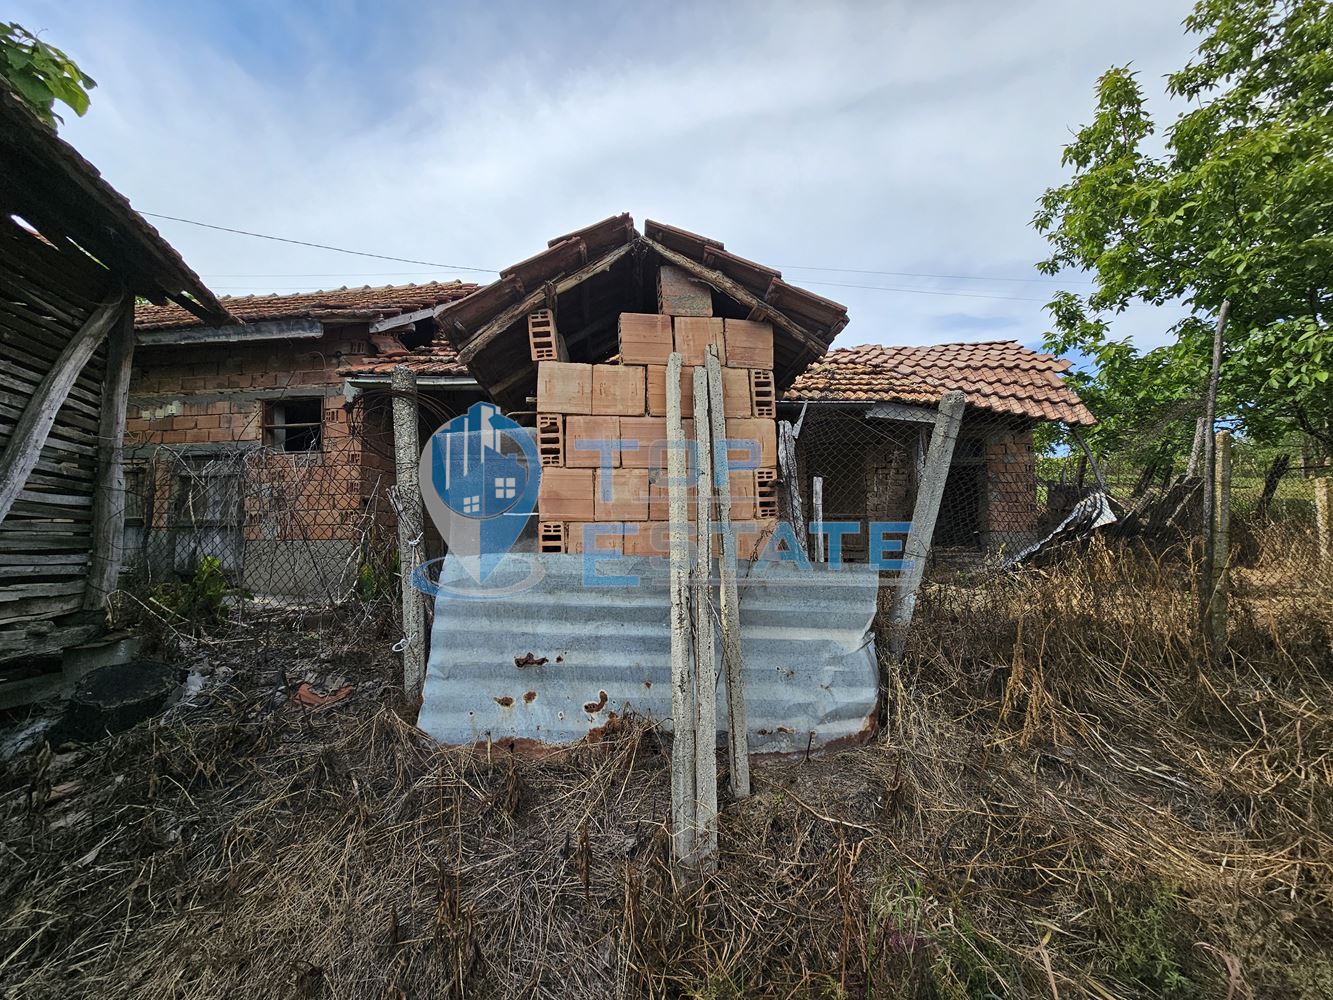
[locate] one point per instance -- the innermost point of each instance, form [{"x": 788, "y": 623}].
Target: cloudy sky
[{"x": 831, "y": 140}]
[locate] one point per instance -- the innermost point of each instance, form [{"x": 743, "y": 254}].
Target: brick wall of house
[
  {"x": 1009, "y": 511},
  {"x": 214, "y": 393},
  {"x": 888, "y": 469},
  {"x": 204, "y": 407}
]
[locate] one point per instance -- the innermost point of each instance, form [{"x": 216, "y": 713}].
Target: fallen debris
[
  {"x": 307, "y": 697},
  {"x": 113, "y": 698}
]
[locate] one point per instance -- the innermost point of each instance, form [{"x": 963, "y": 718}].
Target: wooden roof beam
[
  {"x": 720, "y": 282},
  {"x": 536, "y": 300}
]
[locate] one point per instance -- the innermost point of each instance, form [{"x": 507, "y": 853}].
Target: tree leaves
[
  {"x": 1235, "y": 206},
  {"x": 42, "y": 74}
]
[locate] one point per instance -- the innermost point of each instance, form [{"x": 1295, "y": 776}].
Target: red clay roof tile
[
  {"x": 436, "y": 358},
  {"x": 1002, "y": 376},
  {"x": 347, "y": 304}
]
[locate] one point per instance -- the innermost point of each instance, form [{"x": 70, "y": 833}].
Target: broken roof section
[
  {"x": 436, "y": 360},
  {"x": 591, "y": 276},
  {"x": 58, "y": 193},
  {"x": 347, "y": 305},
  {"x": 1002, "y": 376}
]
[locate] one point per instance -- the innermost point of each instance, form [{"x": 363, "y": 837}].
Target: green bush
[{"x": 203, "y": 597}]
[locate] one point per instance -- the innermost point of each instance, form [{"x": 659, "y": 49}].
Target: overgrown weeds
[{"x": 1067, "y": 799}]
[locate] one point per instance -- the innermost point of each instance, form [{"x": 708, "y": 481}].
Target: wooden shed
[{"x": 74, "y": 256}]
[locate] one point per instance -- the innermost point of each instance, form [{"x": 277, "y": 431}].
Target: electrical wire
[
  {"x": 924, "y": 291},
  {"x": 924, "y": 274},
  {"x": 488, "y": 270},
  {"x": 321, "y": 246}
]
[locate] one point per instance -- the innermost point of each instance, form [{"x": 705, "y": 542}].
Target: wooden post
[
  {"x": 108, "y": 545},
  {"x": 817, "y": 502},
  {"x": 29, "y": 435},
  {"x": 682, "y": 682},
  {"x": 407, "y": 458},
  {"x": 924, "y": 514},
  {"x": 1221, "y": 537},
  {"x": 733, "y": 662},
  {"x": 1210, "y": 471},
  {"x": 791, "y": 483},
  {"x": 1323, "y": 514},
  {"x": 705, "y": 648},
  {"x": 1196, "y": 449}
]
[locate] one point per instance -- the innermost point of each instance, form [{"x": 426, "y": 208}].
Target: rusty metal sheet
[{"x": 557, "y": 661}]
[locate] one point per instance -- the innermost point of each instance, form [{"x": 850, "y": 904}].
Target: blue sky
[{"x": 896, "y": 137}]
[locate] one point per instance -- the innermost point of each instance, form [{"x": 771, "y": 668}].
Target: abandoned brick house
[
  {"x": 245, "y": 443},
  {"x": 301, "y": 389},
  {"x": 877, "y": 405}
]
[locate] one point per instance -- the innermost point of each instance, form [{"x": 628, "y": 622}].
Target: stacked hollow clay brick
[{"x": 601, "y": 429}]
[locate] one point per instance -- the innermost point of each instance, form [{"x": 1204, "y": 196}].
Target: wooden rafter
[
  {"x": 535, "y": 300},
  {"x": 735, "y": 290}
]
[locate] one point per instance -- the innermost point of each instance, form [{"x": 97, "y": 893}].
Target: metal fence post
[{"x": 407, "y": 456}]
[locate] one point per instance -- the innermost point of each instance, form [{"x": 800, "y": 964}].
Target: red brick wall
[
  {"x": 1009, "y": 510},
  {"x": 201, "y": 394},
  {"x": 201, "y": 398}
]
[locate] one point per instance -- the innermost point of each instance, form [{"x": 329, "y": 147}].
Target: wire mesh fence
[
  {"x": 315, "y": 527},
  {"x": 868, "y": 468},
  {"x": 1011, "y": 498},
  {"x": 298, "y": 527}
]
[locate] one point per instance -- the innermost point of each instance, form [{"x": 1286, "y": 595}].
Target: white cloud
[{"x": 899, "y": 137}]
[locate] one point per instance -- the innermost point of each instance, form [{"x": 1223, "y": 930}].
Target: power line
[
  {"x": 925, "y": 291},
  {"x": 836, "y": 284},
  {"x": 922, "y": 274},
  {"x": 486, "y": 270},
  {"x": 321, "y": 246}
]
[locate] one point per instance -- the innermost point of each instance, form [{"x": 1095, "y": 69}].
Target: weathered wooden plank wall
[{"x": 46, "y": 295}]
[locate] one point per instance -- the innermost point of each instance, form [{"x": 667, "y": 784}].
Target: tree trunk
[
  {"x": 1196, "y": 449},
  {"x": 1276, "y": 470}
]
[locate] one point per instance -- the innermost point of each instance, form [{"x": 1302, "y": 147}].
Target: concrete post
[
  {"x": 407, "y": 456},
  {"x": 1221, "y": 536}
]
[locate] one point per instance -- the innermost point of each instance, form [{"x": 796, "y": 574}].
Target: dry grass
[{"x": 1067, "y": 799}]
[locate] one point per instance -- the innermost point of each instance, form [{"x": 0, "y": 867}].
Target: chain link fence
[
  {"x": 867, "y": 469},
  {"x": 315, "y": 527},
  {"x": 309, "y": 527},
  {"x": 1025, "y": 494}
]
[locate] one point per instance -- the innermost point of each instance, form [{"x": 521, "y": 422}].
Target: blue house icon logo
[{"x": 480, "y": 475}]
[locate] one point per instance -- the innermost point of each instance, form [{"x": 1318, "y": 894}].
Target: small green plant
[
  {"x": 202, "y": 597},
  {"x": 918, "y": 947},
  {"x": 969, "y": 967},
  {"x": 896, "y": 924},
  {"x": 374, "y": 581},
  {"x": 1146, "y": 945}
]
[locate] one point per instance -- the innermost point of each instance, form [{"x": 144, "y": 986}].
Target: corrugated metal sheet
[{"x": 552, "y": 663}]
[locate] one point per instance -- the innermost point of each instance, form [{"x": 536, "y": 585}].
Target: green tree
[
  {"x": 42, "y": 74},
  {"x": 1233, "y": 202}
]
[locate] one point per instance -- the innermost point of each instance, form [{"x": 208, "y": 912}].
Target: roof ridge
[
  {"x": 930, "y": 347},
  {"x": 411, "y": 285}
]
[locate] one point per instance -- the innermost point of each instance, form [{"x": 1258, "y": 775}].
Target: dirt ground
[{"x": 1067, "y": 797}]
